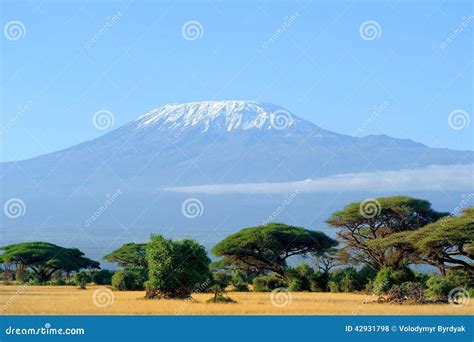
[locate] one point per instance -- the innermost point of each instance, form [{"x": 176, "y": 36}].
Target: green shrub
[
  {"x": 438, "y": 287},
  {"x": 346, "y": 280},
  {"x": 319, "y": 282},
  {"x": 102, "y": 277},
  {"x": 387, "y": 277},
  {"x": 219, "y": 296},
  {"x": 300, "y": 278},
  {"x": 221, "y": 278},
  {"x": 131, "y": 278},
  {"x": 58, "y": 282},
  {"x": 81, "y": 279},
  {"x": 175, "y": 267},
  {"x": 266, "y": 283},
  {"x": 461, "y": 278},
  {"x": 239, "y": 282}
]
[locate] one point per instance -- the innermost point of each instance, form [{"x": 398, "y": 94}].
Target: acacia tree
[
  {"x": 447, "y": 244},
  {"x": 327, "y": 261},
  {"x": 44, "y": 258},
  {"x": 130, "y": 254},
  {"x": 362, "y": 222},
  {"x": 267, "y": 248},
  {"x": 175, "y": 268}
]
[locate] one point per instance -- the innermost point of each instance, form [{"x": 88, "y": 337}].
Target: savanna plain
[{"x": 68, "y": 300}]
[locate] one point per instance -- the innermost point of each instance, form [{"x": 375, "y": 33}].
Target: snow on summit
[{"x": 222, "y": 115}]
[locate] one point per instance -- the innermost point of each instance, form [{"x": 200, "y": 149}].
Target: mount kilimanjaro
[{"x": 214, "y": 142}]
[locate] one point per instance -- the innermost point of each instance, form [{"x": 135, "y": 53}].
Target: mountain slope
[{"x": 215, "y": 142}]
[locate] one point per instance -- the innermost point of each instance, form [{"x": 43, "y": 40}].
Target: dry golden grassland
[{"x": 69, "y": 300}]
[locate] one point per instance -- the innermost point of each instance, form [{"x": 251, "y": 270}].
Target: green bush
[
  {"x": 300, "y": 278},
  {"x": 319, "y": 282},
  {"x": 387, "y": 277},
  {"x": 58, "y": 282},
  {"x": 239, "y": 282},
  {"x": 175, "y": 267},
  {"x": 81, "y": 279},
  {"x": 221, "y": 279},
  {"x": 266, "y": 283},
  {"x": 438, "y": 287},
  {"x": 348, "y": 280},
  {"x": 461, "y": 278},
  {"x": 102, "y": 277},
  {"x": 131, "y": 278},
  {"x": 219, "y": 296}
]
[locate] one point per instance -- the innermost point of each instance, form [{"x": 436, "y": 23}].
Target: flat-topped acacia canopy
[
  {"x": 45, "y": 258},
  {"x": 268, "y": 247}
]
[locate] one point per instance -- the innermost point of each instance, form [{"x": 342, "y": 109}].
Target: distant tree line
[{"x": 378, "y": 243}]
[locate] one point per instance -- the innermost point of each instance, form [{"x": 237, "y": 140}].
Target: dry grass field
[{"x": 98, "y": 300}]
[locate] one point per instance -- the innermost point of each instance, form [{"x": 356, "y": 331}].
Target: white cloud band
[{"x": 434, "y": 177}]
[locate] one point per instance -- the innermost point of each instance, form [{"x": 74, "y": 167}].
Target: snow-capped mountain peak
[{"x": 222, "y": 115}]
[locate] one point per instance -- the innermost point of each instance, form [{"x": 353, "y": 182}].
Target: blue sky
[{"x": 318, "y": 66}]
